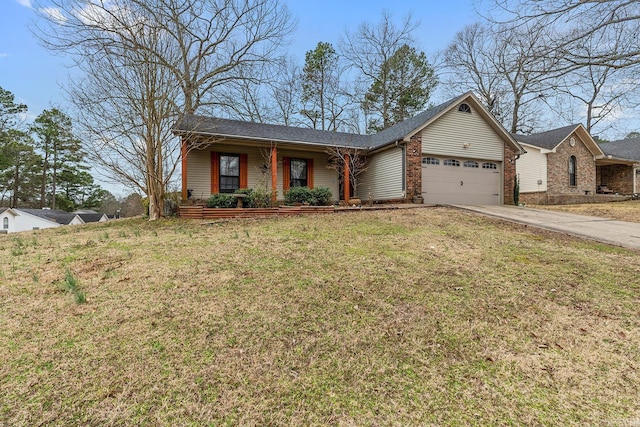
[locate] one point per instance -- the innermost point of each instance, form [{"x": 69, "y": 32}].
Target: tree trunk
[
  {"x": 45, "y": 164},
  {"x": 16, "y": 178},
  {"x": 53, "y": 180}
]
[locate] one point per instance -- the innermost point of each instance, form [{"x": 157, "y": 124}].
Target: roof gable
[
  {"x": 92, "y": 217},
  {"x": 435, "y": 113},
  {"x": 551, "y": 139}
]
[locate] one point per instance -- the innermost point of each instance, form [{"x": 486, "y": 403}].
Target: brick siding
[
  {"x": 618, "y": 178},
  {"x": 414, "y": 166},
  {"x": 509, "y": 166},
  {"x": 558, "y": 169}
]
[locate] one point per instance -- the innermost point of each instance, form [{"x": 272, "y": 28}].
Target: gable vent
[{"x": 464, "y": 108}]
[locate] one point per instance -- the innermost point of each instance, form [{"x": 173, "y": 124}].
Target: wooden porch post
[
  {"x": 274, "y": 174},
  {"x": 183, "y": 151},
  {"x": 347, "y": 182}
]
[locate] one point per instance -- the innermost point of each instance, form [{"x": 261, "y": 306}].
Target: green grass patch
[
  {"x": 407, "y": 317},
  {"x": 70, "y": 285}
]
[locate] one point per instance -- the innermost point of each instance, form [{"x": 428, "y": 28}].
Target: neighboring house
[
  {"x": 91, "y": 216},
  {"x": 558, "y": 162},
  {"x": 564, "y": 163},
  {"x": 14, "y": 219},
  {"x": 452, "y": 153},
  {"x": 618, "y": 170}
]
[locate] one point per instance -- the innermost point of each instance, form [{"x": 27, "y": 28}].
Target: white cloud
[
  {"x": 25, "y": 3},
  {"x": 3, "y": 55},
  {"x": 54, "y": 13}
]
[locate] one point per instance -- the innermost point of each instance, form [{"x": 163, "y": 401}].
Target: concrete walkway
[{"x": 619, "y": 233}]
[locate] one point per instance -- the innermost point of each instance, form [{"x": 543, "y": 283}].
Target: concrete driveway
[{"x": 619, "y": 233}]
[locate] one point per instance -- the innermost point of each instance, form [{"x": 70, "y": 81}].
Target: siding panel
[
  {"x": 448, "y": 134},
  {"x": 532, "y": 167},
  {"x": 383, "y": 178},
  {"x": 199, "y": 169}
]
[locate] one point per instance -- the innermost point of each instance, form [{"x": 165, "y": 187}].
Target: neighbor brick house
[
  {"x": 558, "y": 162},
  {"x": 563, "y": 165},
  {"x": 455, "y": 152}
]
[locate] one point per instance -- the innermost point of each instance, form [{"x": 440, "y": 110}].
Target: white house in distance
[{"x": 13, "y": 220}]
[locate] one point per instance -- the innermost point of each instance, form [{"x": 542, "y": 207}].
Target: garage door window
[
  {"x": 451, "y": 162},
  {"x": 470, "y": 164},
  {"x": 489, "y": 166},
  {"x": 430, "y": 161}
]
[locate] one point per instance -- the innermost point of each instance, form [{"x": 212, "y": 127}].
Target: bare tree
[
  {"x": 177, "y": 54},
  {"x": 271, "y": 95},
  {"x": 126, "y": 106},
  {"x": 341, "y": 157},
  {"x": 509, "y": 70},
  {"x": 599, "y": 90},
  {"x": 372, "y": 46},
  {"x": 573, "y": 22},
  {"x": 469, "y": 66}
]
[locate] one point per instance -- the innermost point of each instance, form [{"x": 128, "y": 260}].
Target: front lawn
[
  {"x": 623, "y": 211},
  {"x": 411, "y": 317}
]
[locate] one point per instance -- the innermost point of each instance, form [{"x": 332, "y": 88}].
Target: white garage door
[{"x": 461, "y": 181}]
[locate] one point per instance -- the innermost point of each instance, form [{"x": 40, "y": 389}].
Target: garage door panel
[{"x": 461, "y": 185}]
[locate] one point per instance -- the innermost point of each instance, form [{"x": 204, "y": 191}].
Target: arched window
[
  {"x": 572, "y": 171},
  {"x": 5, "y": 223},
  {"x": 464, "y": 108}
]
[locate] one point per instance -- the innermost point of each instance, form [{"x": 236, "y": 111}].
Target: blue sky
[{"x": 34, "y": 75}]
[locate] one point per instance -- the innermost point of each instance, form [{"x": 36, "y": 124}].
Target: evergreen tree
[
  {"x": 402, "y": 89},
  {"x": 19, "y": 169},
  {"x": 323, "y": 97},
  {"x": 60, "y": 149}
]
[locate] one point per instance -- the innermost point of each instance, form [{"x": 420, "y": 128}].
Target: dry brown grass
[
  {"x": 417, "y": 317},
  {"x": 622, "y": 211}
]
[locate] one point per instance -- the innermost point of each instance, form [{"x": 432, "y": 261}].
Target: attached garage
[
  {"x": 447, "y": 180},
  {"x": 463, "y": 157}
]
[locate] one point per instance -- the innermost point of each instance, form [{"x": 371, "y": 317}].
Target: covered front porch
[
  {"x": 225, "y": 165},
  {"x": 616, "y": 176}
]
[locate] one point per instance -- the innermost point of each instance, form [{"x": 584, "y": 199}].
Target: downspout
[{"x": 403, "y": 147}]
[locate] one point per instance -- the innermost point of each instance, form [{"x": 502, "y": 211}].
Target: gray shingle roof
[
  {"x": 269, "y": 132},
  {"x": 547, "y": 140},
  {"x": 628, "y": 149},
  {"x": 90, "y": 217},
  {"x": 61, "y": 217}
]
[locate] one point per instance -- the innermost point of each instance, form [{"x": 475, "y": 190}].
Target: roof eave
[{"x": 277, "y": 140}]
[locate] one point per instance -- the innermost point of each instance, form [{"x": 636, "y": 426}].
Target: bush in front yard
[
  {"x": 255, "y": 197},
  {"x": 297, "y": 195},
  {"x": 319, "y": 196},
  {"x": 261, "y": 198},
  {"x": 221, "y": 201}
]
